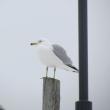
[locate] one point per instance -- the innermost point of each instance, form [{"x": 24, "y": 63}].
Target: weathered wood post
[{"x": 51, "y": 94}]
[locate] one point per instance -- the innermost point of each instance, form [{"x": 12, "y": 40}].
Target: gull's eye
[{"x": 40, "y": 41}]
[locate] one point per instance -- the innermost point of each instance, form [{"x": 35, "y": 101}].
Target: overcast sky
[{"x": 24, "y": 21}]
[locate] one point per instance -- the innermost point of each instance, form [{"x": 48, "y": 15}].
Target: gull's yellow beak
[{"x": 34, "y": 43}]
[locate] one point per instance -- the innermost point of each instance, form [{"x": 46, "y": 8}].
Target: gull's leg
[
  {"x": 46, "y": 71},
  {"x": 54, "y": 72}
]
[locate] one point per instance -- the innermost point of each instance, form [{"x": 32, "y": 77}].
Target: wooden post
[{"x": 51, "y": 94}]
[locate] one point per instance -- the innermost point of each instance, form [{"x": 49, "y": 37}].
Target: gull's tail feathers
[{"x": 70, "y": 68}]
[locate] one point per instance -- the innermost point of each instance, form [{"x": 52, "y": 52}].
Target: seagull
[{"x": 53, "y": 55}]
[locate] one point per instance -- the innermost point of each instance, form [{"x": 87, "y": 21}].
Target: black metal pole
[
  {"x": 83, "y": 48},
  {"x": 83, "y": 103}
]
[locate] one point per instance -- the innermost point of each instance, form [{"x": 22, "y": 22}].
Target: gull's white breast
[{"x": 47, "y": 56}]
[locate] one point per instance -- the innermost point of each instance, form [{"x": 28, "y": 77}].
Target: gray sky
[{"x": 24, "y": 21}]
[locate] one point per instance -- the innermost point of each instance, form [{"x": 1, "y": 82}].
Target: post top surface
[{"x": 49, "y": 78}]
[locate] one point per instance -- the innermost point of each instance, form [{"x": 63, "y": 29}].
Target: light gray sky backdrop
[{"x": 24, "y": 21}]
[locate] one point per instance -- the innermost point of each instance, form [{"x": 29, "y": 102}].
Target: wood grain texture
[{"x": 51, "y": 94}]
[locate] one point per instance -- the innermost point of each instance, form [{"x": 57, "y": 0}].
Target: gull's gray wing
[{"x": 61, "y": 54}]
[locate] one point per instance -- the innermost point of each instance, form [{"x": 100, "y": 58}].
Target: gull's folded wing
[{"x": 61, "y": 54}]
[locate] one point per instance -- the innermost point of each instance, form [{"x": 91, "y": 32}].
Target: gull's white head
[{"x": 40, "y": 42}]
